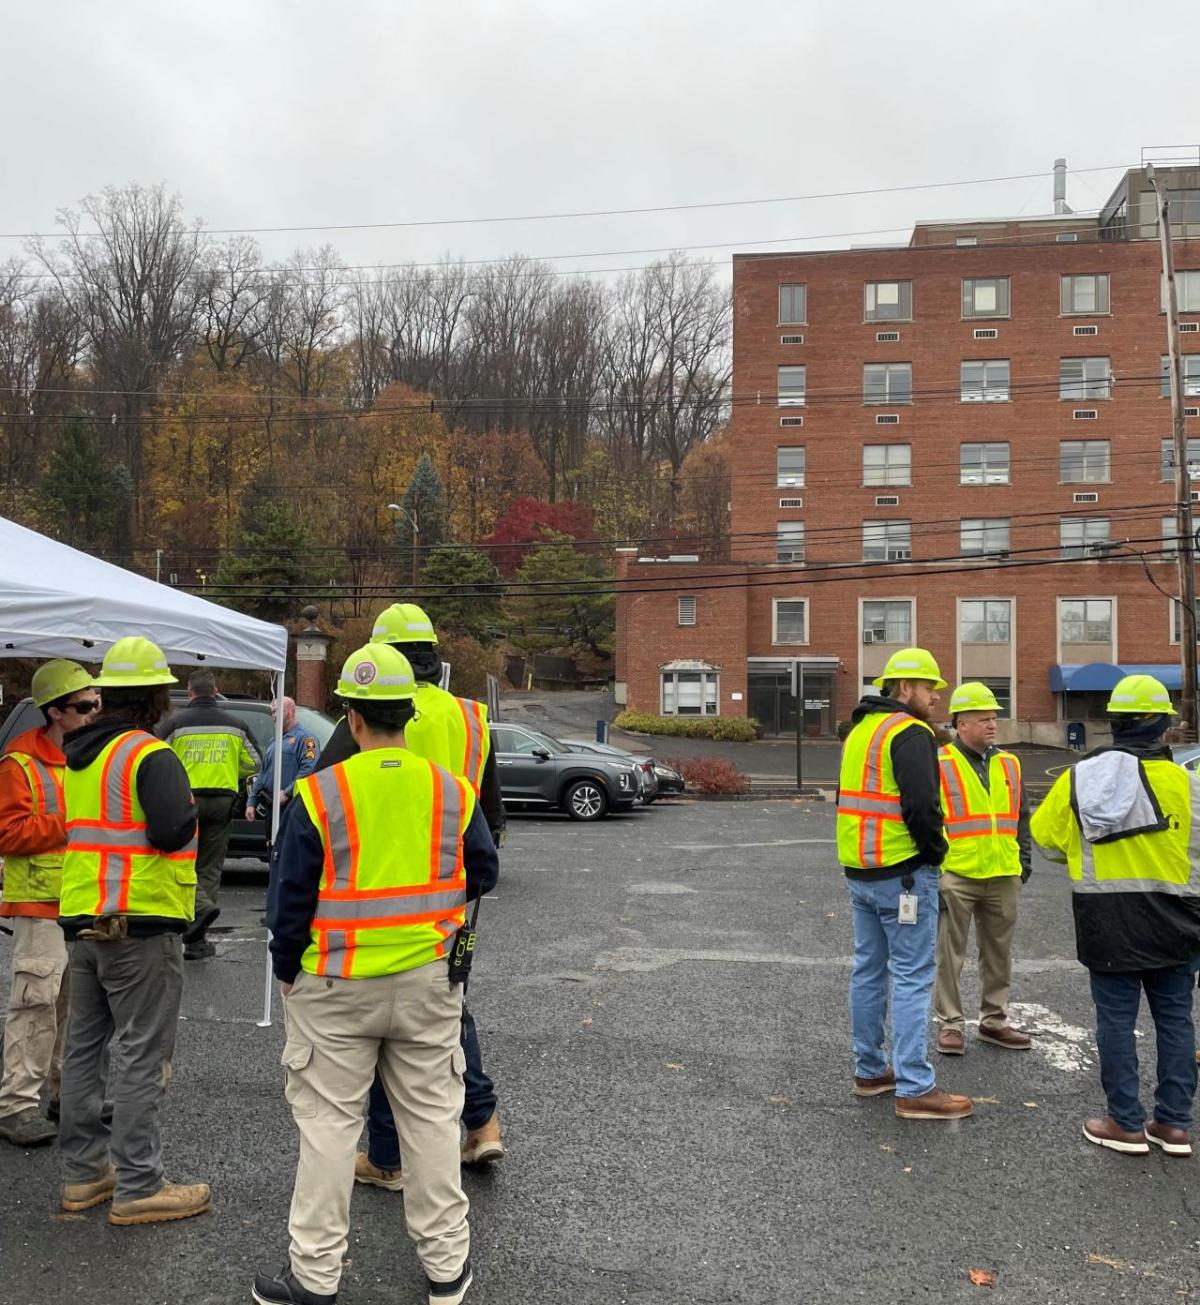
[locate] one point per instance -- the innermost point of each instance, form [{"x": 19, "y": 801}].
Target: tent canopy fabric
[
  {"x": 1100, "y": 677},
  {"x": 58, "y": 602}
]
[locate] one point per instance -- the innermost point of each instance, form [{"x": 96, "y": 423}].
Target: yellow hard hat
[
  {"x": 911, "y": 664},
  {"x": 1140, "y": 695},
  {"x": 973, "y": 696},
  {"x": 58, "y": 679},
  {"x": 377, "y": 672},
  {"x": 134, "y": 663},
  {"x": 403, "y": 623}
]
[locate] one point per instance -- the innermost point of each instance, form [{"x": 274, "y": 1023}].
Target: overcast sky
[{"x": 292, "y": 112}]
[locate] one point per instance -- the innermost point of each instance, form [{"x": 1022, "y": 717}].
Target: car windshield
[{"x": 545, "y": 741}]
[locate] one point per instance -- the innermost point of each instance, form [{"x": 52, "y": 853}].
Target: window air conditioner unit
[
  {"x": 868, "y": 636},
  {"x": 1086, "y": 498},
  {"x": 1196, "y": 496},
  {"x": 887, "y": 500},
  {"x": 1191, "y": 412},
  {"x": 987, "y": 333},
  {"x": 1067, "y": 237},
  {"x": 1086, "y": 330},
  {"x": 887, "y": 419},
  {"x": 886, "y": 337},
  {"x": 900, "y": 554},
  {"x": 1085, "y": 414},
  {"x": 791, "y": 339}
]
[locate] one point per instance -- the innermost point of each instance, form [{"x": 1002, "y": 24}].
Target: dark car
[
  {"x": 247, "y": 837},
  {"x": 541, "y": 772},
  {"x": 670, "y": 782},
  {"x": 642, "y": 763}
]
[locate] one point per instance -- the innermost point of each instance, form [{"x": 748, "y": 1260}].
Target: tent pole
[{"x": 277, "y": 686}]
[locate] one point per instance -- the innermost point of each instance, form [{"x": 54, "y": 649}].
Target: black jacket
[
  {"x": 165, "y": 795},
  {"x": 915, "y": 766}
]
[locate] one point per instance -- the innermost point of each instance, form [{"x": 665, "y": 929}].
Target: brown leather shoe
[
  {"x": 950, "y": 1042},
  {"x": 1171, "y": 1140},
  {"x": 391, "y": 1180},
  {"x": 172, "y": 1201},
  {"x": 879, "y": 1086},
  {"x": 482, "y": 1146},
  {"x": 934, "y": 1104},
  {"x": 1004, "y": 1035},
  {"x": 1108, "y": 1133},
  {"x": 82, "y": 1196}
]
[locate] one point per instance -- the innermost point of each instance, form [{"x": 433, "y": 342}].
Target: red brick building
[{"x": 924, "y": 440}]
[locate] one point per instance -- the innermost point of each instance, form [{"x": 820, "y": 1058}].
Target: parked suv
[
  {"x": 247, "y": 837},
  {"x": 538, "y": 771},
  {"x": 642, "y": 762}
]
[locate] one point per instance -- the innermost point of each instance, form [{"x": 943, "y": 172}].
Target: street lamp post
[{"x": 411, "y": 518}]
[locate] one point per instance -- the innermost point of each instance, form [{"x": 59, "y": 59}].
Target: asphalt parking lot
[{"x": 661, "y": 999}]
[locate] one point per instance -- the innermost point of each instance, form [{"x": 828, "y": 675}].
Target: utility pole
[{"x": 1186, "y": 543}]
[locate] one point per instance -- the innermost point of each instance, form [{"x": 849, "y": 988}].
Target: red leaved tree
[{"x": 530, "y": 521}]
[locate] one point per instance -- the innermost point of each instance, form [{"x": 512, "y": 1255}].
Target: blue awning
[{"x": 1100, "y": 677}]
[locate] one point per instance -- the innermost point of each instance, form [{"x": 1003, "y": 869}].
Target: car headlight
[{"x": 625, "y": 778}]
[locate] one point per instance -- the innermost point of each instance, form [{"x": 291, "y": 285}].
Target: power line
[{"x": 594, "y": 213}]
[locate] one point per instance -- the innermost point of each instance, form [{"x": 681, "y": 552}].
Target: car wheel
[{"x": 585, "y": 800}]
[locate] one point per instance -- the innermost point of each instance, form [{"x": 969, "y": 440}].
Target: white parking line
[{"x": 722, "y": 847}]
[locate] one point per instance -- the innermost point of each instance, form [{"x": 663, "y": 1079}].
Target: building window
[
  {"x": 1084, "y": 462},
  {"x": 789, "y": 466},
  {"x": 1167, "y": 458},
  {"x": 1189, "y": 365},
  {"x": 887, "y": 383},
  {"x": 985, "y": 620},
  {"x": 887, "y": 301},
  {"x": 887, "y": 464},
  {"x": 791, "y": 620},
  {"x": 1084, "y": 378},
  {"x": 791, "y": 387},
  {"x": 1177, "y": 618},
  {"x": 983, "y": 464},
  {"x": 1078, "y": 536},
  {"x": 1084, "y": 295},
  {"x": 984, "y": 381},
  {"x": 793, "y": 305},
  {"x": 981, "y": 535},
  {"x": 1085, "y": 620},
  {"x": 1183, "y": 213},
  {"x": 789, "y": 541},
  {"x": 1001, "y": 687},
  {"x": 985, "y": 297},
  {"x": 686, "y": 612},
  {"x": 887, "y": 541},
  {"x": 689, "y": 693},
  {"x": 887, "y": 621},
  {"x": 1187, "y": 292}
]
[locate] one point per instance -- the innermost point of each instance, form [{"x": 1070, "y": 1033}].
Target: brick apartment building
[{"x": 916, "y": 432}]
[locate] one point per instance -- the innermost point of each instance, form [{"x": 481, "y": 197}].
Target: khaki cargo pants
[
  {"x": 337, "y": 1031},
  {"x": 35, "y": 1031},
  {"x": 992, "y": 904}
]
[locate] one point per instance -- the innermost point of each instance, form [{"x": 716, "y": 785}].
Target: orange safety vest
[{"x": 478, "y": 744}]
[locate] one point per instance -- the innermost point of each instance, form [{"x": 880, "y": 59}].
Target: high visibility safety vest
[
  {"x": 453, "y": 732},
  {"x": 110, "y": 867},
  {"x": 216, "y": 757},
  {"x": 981, "y": 823},
  {"x": 871, "y": 832},
  {"x": 36, "y": 877},
  {"x": 394, "y": 887},
  {"x": 1156, "y": 862}
]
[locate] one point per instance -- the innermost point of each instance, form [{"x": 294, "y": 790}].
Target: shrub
[
  {"x": 722, "y": 729},
  {"x": 711, "y": 775}
]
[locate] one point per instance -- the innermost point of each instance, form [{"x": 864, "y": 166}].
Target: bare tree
[
  {"x": 235, "y": 288},
  {"x": 312, "y": 318}
]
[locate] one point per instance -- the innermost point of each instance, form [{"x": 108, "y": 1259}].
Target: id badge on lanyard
[{"x": 908, "y": 901}]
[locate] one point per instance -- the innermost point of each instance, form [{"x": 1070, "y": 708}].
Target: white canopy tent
[{"x": 58, "y": 602}]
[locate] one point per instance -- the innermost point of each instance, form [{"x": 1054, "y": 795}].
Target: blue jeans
[
  {"x": 1117, "y": 998},
  {"x": 882, "y": 947},
  {"x": 383, "y": 1142}
]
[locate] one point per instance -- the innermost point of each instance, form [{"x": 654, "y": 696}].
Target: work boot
[
  {"x": 1004, "y": 1035},
  {"x": 950, "y": 1042},
  {"x": 27, "y": 1128},
  {"x": 391, "y": 1180},
  {"x": 201, "y": 924},
  {"x": 878, "y": 1086},
  {"x": 82, "y": 1196},
  {"x": 1109, "y": 1134},
  {"x": 282, "y": 1289},
  {"x": 171, "y": 1201},
  {"x": 1173, "y": 1141},
  {"x": 934, "y": 1104},
  {"x": 482, "y": 1145},
  {"x": 202, "y": 950},
  {"x": 451, "y": 1293}
]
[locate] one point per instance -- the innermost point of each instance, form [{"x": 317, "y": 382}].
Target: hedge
[
  {"x": 712, "y": 775},
  {"x": 722, "y": 729}
]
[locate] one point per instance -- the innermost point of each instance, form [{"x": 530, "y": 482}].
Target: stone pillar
[{"x": 312, "y": 648}]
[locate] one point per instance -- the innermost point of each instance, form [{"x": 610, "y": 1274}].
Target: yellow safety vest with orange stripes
[
  {"x": 981, "y": 823},
  {"x": 452, "y": 732},
  {"x": 36, "y": 877},
  {"x": 871, "y": 833},
  {"x": 394, "y": 888},
  {"x": 111, "y": 867}
]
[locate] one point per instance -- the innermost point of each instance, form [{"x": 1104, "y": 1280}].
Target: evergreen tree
[
  {"x": 84, "y": 496},
  {"x": 563, "y": 607},
  {"x": 473, "y": 605},
  {"x": 270, "y": 561},
  {"x": 425, "y": 499}
]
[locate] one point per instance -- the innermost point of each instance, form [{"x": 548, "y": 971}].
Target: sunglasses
[{"x": 85, "y": 707}]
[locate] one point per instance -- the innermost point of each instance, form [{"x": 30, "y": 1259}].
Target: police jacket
[
  {"x": 301, "y": 753},
  {"x": 216, "y": 750}
]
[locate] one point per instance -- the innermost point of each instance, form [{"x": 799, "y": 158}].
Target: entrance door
[
  {"x": 772, "y": 705},
  {"x": 820, "y": 707}
]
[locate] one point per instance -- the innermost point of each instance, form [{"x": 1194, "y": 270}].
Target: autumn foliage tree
[{"x": 530, "y": 521}]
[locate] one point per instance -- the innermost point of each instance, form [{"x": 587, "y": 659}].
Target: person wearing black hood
[
  {"x": 452, "y": 732},
  {"x": 1125, "y": 821}
]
